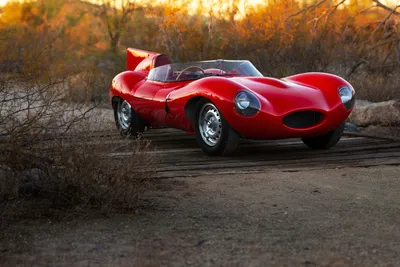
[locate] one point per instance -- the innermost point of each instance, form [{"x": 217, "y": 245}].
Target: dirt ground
[{"x": 331, "y": 217}]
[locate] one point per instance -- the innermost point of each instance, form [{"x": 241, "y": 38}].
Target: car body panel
[{"x": 164, "y": 103}]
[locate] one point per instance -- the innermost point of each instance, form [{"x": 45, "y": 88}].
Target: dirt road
[{"x": 274, "y": 204}]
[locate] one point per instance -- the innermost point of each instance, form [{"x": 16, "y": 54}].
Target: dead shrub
[
  {"x": 84, "y": 174},
  {"x": 89, "y": 85},
  {"x": 53, "y": 154},
  {"x": 376, "y": 87},
  {"x": 78, "y": 169},
  {"x": 386, "y": 114}
]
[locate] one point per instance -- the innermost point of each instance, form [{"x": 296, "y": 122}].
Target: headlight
[
  {"x": 242, "y": 100},
  {"x": 246, "y": 103},
  {"x": 347, "y": 96}
]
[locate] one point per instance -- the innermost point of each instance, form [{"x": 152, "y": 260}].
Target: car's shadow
[{"x": 184, "y": 147}]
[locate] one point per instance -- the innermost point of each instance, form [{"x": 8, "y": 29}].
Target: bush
[
  {"x": 52, "y": 151},
  {"x": 376, "y": 87},
  {"x": 73, "y": 170}
]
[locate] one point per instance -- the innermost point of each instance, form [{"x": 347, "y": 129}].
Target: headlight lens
[
  {"x": 346, "y": 94},
  {"x": 242, "y": 101},
  {"x": 246, "y": 103}
]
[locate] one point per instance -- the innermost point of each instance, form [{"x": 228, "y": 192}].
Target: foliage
[{"x": 281, "y": 38}]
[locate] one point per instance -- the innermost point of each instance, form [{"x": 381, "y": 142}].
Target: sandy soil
[{"x": 335, "y": 217}]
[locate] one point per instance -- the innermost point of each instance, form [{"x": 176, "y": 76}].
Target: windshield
[{"x": 200, "y": 69}]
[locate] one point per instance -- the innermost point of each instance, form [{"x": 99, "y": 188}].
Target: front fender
[
  {"x": 327, "y": 83},
  {"x": 220, "y": 91}
]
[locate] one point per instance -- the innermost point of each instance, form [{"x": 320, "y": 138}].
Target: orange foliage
[{"x": 281, "y": 38}]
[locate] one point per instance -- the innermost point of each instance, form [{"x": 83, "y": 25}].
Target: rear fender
[{"x": 125, "y": 84}]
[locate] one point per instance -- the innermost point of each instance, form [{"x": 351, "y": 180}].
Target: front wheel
[
  {"x": 127, "y": 120},
  {"x": 325, "y": 141},
  {"x": 213, "y": 133}
]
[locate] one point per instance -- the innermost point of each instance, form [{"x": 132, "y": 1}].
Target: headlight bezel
[
  {"x": 347, "y": 96},
  {"x": 251, "y": 108}
]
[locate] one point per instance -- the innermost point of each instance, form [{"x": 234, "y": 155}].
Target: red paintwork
[
  {"x": 143, "y": 61},
  {"x": 136, "y": 56},
  {"x": 278, "y": 97}
]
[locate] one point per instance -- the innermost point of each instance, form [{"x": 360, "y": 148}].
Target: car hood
[{"x": 286, "y": 95}]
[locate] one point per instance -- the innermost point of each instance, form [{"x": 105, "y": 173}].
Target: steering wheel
[{"x": 187, "y": 69}]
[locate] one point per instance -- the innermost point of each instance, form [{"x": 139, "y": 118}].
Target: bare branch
[
  {"x": 392, "y": 10},
  {"x": 306, "y": 9},
  {"x": 116, "y": 19}
]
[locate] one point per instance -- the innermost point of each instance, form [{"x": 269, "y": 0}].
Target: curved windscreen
[{"x": 201, "y": 69}]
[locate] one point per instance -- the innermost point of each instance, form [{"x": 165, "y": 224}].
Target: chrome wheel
[
  {"x": 210, "y": 126},
  {"x": 124, "y": 114}
]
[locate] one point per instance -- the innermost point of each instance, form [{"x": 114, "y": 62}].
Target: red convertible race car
[{"x": 222, "y": 101}]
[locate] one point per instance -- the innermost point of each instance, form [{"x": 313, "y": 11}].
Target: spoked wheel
[
  {"x": 128, "y": 121},
  {"x": 210, "y": 125},
  {"x": 325, "y": 141},
  {"x": 213, "y": 133}
]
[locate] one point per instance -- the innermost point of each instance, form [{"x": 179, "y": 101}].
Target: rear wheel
[
  {"x": 127, "y": 120},
  {"x": 325, "y": 141},
  {"x": 213, "y": 133}
]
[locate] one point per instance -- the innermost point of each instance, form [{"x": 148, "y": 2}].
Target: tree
[{"x": 116, "y": 14}]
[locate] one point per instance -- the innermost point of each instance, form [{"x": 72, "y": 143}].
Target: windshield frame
[{"x": 178, "y": 72}]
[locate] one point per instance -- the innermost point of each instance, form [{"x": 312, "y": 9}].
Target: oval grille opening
[{"x": 302, "y": 119}]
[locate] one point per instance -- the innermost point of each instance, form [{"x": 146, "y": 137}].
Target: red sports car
[{"x": 222, "y": 101}]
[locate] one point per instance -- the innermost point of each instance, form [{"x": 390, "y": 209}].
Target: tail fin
[{"x": 135, "y": 56}]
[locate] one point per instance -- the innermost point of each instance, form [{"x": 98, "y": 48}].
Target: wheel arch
[
  {"x": 218, "y": 90},
  {"x": 190, "y": 108},
  {"x": 114, "y": 101}
]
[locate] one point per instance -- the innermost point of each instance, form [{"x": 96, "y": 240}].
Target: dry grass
[
  {"x": 386, "y": 114},
  {"x": 89, "y": 85},
  {"x": 376, "y": 87},
  {"x": 70, "y": 173}
]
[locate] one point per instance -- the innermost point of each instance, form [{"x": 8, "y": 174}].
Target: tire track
[{"x": 180, "y": 156}]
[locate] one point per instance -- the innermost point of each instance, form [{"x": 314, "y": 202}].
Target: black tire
[
  {"x": 325, "y": 141},
  {"x": 228, "y": 138},
  {"x": 132, "y": 127}
]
